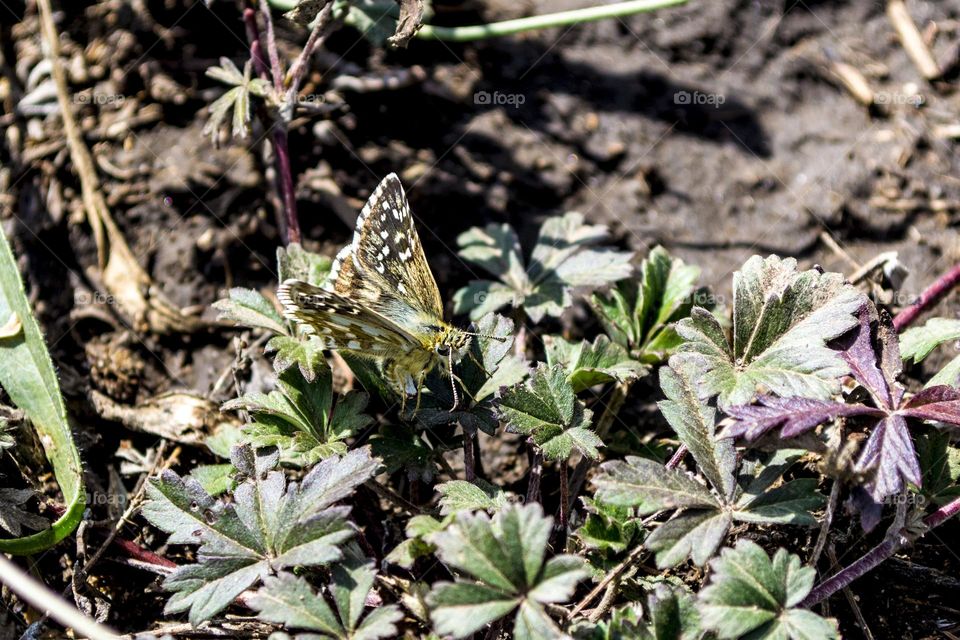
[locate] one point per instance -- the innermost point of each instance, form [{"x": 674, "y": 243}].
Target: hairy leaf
[
  {"x": 608, "y": 527},
  {"x": 564, "y": 258},
  {"x": 503, "y": 561},
  {"x": 638, "y": 314},
  {"x": 695, "y": 424},
  {"x": 672, "y": 615},
  {"x": 650, "y": 487},
  {"x": 300, "y": 418},
  {"x": 248, "y": 308},
  {"x": 916, "y": 343},
  {"x": 547, "y": 409},
  {"x": 236, "y": 99},
  {"x": 289, "y": 600},
  {"x": 591, "y": 363},
  {"x": 699, "y": 529},
  {"x": 295, "y": 262},
  {"x": 270, "y": 525},
  {"x": 782, "y": 321},
  {"x": 460, "y": 495},
  {"x": 751, "y": 594}
]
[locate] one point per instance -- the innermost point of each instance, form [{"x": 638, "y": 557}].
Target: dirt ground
[{"x": 716, "y": 129}]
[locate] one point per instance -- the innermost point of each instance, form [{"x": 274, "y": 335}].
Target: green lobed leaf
[
  {"x": 503, "y": 561},
  {"x": 916, "y": 343},
  {"x": 638, "y": 314},
  {"x": 751, "y": 594},
  {"x": 562, "y": 259},
  {"x": 290, "y": 600},
  {"x": 695, "y": 423},
  {"x": 28, "y": 377},
  {"x": 591, "y": 363},
  {"x": 608, "y": 527},
  {"x": 782, "y": 322},
  {"x": 547, "y": 409},
  {"x": 249, "y": 308},
  {"x": 695, "y": 533},
  {"x": 305, "y": 351},
  {"x": 460, "y": 495},
  {"x": 300, "y": 417},
  {"x": 270, "y": 525},
  {"x": 295, "y": 262},
  {"x": 650, "y": 487},
  {"x": 790, "y": 503}
]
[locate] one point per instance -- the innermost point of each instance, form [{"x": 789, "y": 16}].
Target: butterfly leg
[{"x": 420, "y": 380}]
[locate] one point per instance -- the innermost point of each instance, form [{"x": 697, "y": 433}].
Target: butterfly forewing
[{"x": 385, "y": 267}]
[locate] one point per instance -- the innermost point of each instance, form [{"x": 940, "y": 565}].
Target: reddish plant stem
[
  {"x": 285, "y": 177},
  {"x": 873, "y": 558},
  {"x": 677, "y": 457},
  {"x": 146, "y": 556},
  {"x": 287, "y": 220},
  {"x": 275, "y": 70},
  {"x": 930, "y": 296}
]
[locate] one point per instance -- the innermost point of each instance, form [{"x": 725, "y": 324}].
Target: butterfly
[{"x": 380, "y": 301}]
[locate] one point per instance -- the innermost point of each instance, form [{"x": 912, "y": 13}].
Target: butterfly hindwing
[
  {"x": 342, "y": 323},
  {"x": 385, "y": 267}
]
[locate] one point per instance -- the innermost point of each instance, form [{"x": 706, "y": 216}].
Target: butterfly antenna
[
  {"x": 486, "y": 335},
  {"x": 453, "y": 382}
]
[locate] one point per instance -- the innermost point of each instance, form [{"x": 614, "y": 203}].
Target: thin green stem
[
  {"x": 546, "y": 21},
  {"x": 531, "y": 23}
]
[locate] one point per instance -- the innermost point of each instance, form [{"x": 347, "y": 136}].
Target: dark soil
[{"x": 714, "y": 129}]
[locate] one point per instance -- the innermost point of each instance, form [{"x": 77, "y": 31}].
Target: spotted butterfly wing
[
  {"x": 384, "y": 268},
  {"x": 341, "y": 323}
]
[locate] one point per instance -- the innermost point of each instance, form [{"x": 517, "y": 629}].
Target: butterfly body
[{"x": 380, "y": 300}]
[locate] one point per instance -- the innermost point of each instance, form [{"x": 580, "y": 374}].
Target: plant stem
[
  {"x": 276, "y": 70},
  {"x": 469, "y": 470},
  {"x": 533, "y": 477},
  {"x": 607, "y": 579},
  {"x": 40, "y": 596},
  {"x": 531, "y": 23},
  {"x": 564, "y": 499},
  {"x": 289, "y": 224},
  {"x": 534, "y": 23},
  {"x": 677, "y": 457},
  {"x": 616, "y": 401},
  {"x": 873, "y": 558},
  {"x": 930, "y": 296}
]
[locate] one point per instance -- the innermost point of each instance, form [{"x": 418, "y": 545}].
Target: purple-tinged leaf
[
  {"x": 859, "y": 354},
  {"x": 889, "y": 452},
  {"x": 940, "y": 403},
  {"x": 796, "y": 415},
  {"x": 890, "y": 361}
]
